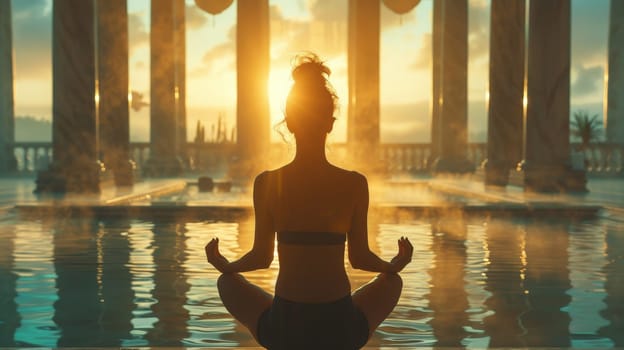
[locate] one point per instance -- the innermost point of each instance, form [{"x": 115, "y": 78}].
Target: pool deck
[{"x": 396, "y": 196}]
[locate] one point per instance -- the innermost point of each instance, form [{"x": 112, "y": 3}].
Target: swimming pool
[{"x": 474, "y": 281}]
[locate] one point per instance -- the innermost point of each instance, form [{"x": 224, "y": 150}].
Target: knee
[
  {"x": 393, "y": 280},
  {"x": 226, "y": 282}
]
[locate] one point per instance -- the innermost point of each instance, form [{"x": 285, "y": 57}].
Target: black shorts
[{"x": 292, "y": 325}]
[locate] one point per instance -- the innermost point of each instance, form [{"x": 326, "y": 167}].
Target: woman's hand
[
  {"x": 214, "y": 256},
  {"x": 404, "y": 256}
]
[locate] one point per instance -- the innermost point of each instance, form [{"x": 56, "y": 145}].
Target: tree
[{"x": 586, "y": 128}]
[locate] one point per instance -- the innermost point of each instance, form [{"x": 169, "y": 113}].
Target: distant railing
[
  {"x": 32, "y": 156},
  {"x": 599, "y": 158},
  {"x": 603, "y": 158}
]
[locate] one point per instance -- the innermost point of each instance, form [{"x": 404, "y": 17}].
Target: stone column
[
  {"x": 7, "y": 117},
  {"x": 179, "y": 8},
  {"x": 547, "y": 282},
  {"x": 112, "y": 35},
  {"x": 547, "y": 166},
  {"x": 505, "y": 113},
  {"x": 453, "y": 107},
  {"x": 252, "y": 69},
  {"x": 436, "y": 43},
  {"x": 164, "y": 159},
  {"x": 363, "y": 119},
  {"x": 74, "y": 129},
  {"x": 615, "y": 94}
]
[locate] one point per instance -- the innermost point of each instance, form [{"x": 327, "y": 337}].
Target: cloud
[
  {"x": 425, "y": 54},
  {"x": 338, "y": 11},
  {"x": 32, "y": 39},
  {"x": 478, "y": 30},
  {"x": 588, "y": 80},
  {"x": 325, "y": 32},
  {"x": 195, "y": 17},
  {"x": 225, "y": 51},
  {"x": 590, "y": 22},
  {"x": 328, "y": 10},
  {"x": 478, "y": 38},
  {"x": 138, "y": 34},
  {"x": 29, "y": 9}
]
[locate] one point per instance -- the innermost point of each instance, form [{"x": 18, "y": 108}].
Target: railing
[
  {"x": 32, "y": 156},
  {"x": 604, "y": 158},
  {"x": 599, "y": 158}
]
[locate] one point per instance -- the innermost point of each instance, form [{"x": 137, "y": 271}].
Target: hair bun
[{"x": 309, "y": 69}]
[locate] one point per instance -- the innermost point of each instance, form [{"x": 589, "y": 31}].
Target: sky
[{"x": 309, "y": 25}]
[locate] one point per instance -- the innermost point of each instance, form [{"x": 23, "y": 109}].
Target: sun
[{"x": 278, "y": 87}]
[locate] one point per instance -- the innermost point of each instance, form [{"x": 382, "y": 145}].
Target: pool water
[{"x": 475, "y": 282}]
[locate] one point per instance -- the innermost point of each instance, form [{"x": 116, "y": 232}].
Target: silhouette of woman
[{"x": 314, "y": 207}]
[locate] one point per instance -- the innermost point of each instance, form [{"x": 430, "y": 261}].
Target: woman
[{"x": 314, "y": 207}]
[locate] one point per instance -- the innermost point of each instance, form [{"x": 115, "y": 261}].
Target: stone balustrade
[{"x": 599, "y": 158}]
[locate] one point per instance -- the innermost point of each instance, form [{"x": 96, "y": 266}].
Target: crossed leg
[
  {"x": 244, "y": 300},
  {"x": 377, "y": 298}
]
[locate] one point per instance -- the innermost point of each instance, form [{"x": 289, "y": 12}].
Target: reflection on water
[
  {"x": 473, "y": 282},
  {"x": 448, "y": 299},
  {"x": 546, "y": 282},
  {"x": 78, "y": 309},
  {"x": 9, "y": 318},
  {"x": 116, "y": 281},
  {"x": 614, "y": 286},
  {"x": 505, "y": 268},
  {"x": 169, "y": 253}
]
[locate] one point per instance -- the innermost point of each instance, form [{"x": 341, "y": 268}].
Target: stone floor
[{"x": 416, "y": 195}]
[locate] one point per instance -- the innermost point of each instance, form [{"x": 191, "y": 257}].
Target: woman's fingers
[
  {"x": 212, "y": 249},
  {"x": 405, "y": 249}
]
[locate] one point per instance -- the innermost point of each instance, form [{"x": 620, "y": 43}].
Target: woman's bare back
[{"x": 312, "y": 203}]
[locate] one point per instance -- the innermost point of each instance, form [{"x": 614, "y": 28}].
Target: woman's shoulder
[
  {"x": 352, "y": 177},
  {"x": 267, "y": 177}
]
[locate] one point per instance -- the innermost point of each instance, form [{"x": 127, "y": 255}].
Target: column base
[
  {"x": 163, "y": 167},
  {"x": 553, "y": 179},
  {"x": 452, "y": 165},
  {"x": 9, "y": 165},
  {"x": 125, "y": 174},
  {"x": 496, "y": 173},
  {"x": 85, "y": 177}
]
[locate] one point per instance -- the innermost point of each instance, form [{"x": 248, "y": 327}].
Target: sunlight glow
[
  {"x": 525, "y": 102},
  {"x": 278, "y": 86}
]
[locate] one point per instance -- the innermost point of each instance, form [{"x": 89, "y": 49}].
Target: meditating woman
[{"x": 313, "y": 207}]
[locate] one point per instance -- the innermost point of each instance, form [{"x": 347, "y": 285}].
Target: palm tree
[{"x": 586, "y": 128}]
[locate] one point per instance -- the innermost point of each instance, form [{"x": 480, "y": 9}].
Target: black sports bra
[{"x": 311, "y": 238}]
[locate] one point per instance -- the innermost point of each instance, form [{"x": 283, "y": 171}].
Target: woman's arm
[
  {"x": 360, "y": 255},
  {"x": 261, "y": 254}
]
